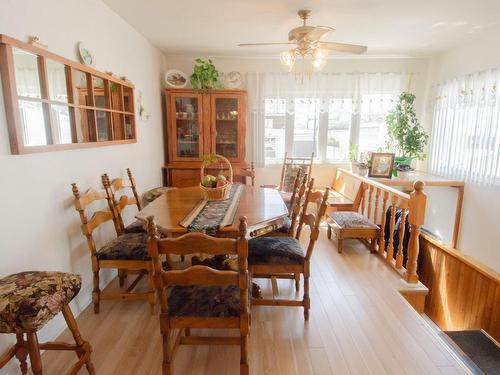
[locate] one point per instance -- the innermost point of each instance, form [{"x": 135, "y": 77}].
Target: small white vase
[
  {"x": 404, "y": 175},
  {"x": 363, "y": 171}
]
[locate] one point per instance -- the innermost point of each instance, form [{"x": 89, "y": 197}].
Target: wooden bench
[
  {"x": 348, "y": 224},
  {"x": 346, "y": 192}
]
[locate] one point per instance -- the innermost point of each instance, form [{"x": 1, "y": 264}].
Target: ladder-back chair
[
  {"x": 200, "y": 296},
  {"x": 118, "y": 200},
  {"x": 127, "y": 251},
  {"x": 284, "y": 257}
]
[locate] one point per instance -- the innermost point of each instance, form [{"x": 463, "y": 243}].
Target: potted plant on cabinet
[
  {"x": 406, "y": 136},
  {"x": 205, "y": 76}
]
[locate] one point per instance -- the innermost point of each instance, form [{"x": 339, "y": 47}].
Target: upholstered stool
[
  {"x": 349, "y": 224},
  {"x": 28, "y": 300}
]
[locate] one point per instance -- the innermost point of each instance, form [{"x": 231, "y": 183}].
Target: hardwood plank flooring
[{"x": 359, "y": 324}]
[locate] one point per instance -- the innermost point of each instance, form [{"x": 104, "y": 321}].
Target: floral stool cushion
[
  {"x": 352, "y": 220},
  {"x": 28, "y": 300},
  {"x": 275, "y": 250},
  {"x": 204, "y": 301},
  {"x": 135, "y": 227},
  {"x": 129, "y": 246}
]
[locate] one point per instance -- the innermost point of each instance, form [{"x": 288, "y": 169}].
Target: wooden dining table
[{"x": 264, "y": 209}]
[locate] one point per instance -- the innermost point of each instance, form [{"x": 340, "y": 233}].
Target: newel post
[{"x": 416, "y": 217}]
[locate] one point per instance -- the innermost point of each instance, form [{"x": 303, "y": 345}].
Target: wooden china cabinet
[{"x": 202, "y": 122}]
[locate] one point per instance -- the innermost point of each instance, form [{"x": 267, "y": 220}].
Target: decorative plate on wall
[
  {"x": 85, "y": 55},
  {"x": 176, "y": 79},
  {"x": 232, "y": 80}
]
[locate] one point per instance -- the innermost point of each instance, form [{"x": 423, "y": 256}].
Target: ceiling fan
[{"x": 307, "y": 41}]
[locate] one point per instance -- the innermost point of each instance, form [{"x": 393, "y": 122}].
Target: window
[
  {"x": 465, "y": 141},
  {"x": 328, "y": 133},
  {"x": 275, "y": 130}
]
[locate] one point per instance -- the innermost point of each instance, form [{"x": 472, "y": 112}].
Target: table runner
[{"x": 209, "y": 216}]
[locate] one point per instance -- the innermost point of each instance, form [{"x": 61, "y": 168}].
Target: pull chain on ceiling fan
[{"x": 307, "y": 42}]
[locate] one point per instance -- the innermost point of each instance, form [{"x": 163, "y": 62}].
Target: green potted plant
[
  {"x": 406, "y": 136},
  {"x": 364, "y": 163},
  {"x": 205, "y": 76}
]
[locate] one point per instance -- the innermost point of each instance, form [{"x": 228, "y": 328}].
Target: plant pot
[
  {"x": 363, "y": 171},
  {"x": 404, "y": 175},
  {"x": 401, "y": 160},
  {"x": 354, "y": 167}
]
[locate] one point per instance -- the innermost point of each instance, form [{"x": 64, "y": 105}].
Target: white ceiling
[{"x": 387, "y": 27}]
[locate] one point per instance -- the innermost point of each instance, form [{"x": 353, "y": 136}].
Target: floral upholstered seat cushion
[
  {"x": 352, "y": 220},
  {"x": 204, "y": 301},
  {"x": 135, "y": 227},
  {"x": 28, "y": 300},
  {"x": 129, "y": 246},
  {"x": 275, "y": 250}
]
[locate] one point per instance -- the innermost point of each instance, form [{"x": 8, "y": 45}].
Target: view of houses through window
[{"x": 326, "y": 127}]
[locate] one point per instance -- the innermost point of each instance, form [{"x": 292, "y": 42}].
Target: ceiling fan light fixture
[
  {"x": 318, "y": 64},
  {"x": 288, "y": 59},
  {"x": 320, "y": 54}
]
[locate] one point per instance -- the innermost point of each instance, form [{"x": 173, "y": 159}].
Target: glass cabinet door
[
  {"x": 226, "y": 118},
  {"x": 187, "y": 129}
]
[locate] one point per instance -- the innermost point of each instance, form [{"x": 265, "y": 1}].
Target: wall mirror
[{"x": 53, "y": 103}]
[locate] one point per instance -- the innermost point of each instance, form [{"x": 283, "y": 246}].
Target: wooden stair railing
[{"x": 377, "y": 198}]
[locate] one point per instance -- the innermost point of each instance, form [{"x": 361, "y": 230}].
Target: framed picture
[{"x": 381, "y": 165}]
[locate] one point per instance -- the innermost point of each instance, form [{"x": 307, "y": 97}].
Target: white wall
[
  {"x": 39, "y": 226},
  {"x": 323, "y": 174},
  {"x": 479, "y": 235}
]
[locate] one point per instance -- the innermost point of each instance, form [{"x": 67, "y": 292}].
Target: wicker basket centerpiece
[{"x": 216, "y": 188}]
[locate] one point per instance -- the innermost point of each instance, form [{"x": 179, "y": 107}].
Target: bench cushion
[
  {"x": 351, "y": 220},
  {"x": 129, "y": 246},
  {"x": 275, "y": 250},
  {"x": 28, "y": 300},
  {"x": 204, "y": 301}
]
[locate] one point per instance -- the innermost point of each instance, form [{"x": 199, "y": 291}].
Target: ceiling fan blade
[
  {"x": 318, "y": 32},
  {"x": 342, "y": 47},
  {"x": 262, "y": 44}
]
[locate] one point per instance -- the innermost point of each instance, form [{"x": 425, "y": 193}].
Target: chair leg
[
  {"x": 244, "y": 370},
  {"x": 297, "y": 282},
  {"x": 122, "y": 275},
  {"x": 83, "y": 347},
  {"x": 151, "y": 294},
  {"x": 167, "y": 353},
  {"x": 21, "y": 353},
  {"x": 373, "y": 245},
  {"x": 96, "y": 292},
  {"x": 329, "y": 232},
  {"x": 340, "y": 244},
  {"x": 34, "y": 351},
  {"x": 307, "y": 301}
]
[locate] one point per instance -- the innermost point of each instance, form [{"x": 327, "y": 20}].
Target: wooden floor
[{"x": 359, "y": 324}]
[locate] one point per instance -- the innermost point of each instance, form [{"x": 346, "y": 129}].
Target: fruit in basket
[
  {"x": 221, "y": 183},
  {"x": 221, "y": 177},
  {"x": 209, "y": 181}
]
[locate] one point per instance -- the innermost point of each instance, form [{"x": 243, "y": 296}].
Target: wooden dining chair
[
  {"x": 284, "y": 257},
  {"x": 128, "y": 251},
  {"x": 289, "y": 223},
  {"x": 246, "y": 173},
  {"x": 200, "y": 296},
  {"x": 118, "y": 200}
]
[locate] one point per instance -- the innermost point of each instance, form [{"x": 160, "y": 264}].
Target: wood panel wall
[{"x": 463, "y": 294}]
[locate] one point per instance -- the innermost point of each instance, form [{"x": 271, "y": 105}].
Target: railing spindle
[
  {"x": 375, "y": 212},
  {"x": 403, "y": 205},
  {"x": 370, "y": 196},
  {"x": 392, "y": 219},
  {"x": 381, "y": 242}
]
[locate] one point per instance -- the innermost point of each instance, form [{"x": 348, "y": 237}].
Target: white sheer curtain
[
  {"x": 324, "y": 96},
  {"x": 465, "y": 141}
]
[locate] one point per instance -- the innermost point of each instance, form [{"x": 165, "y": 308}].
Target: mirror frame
[{"x": 11, "y": 101}]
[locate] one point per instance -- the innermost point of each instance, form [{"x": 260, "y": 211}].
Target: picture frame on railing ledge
[{"x": 381, "y": 165}]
